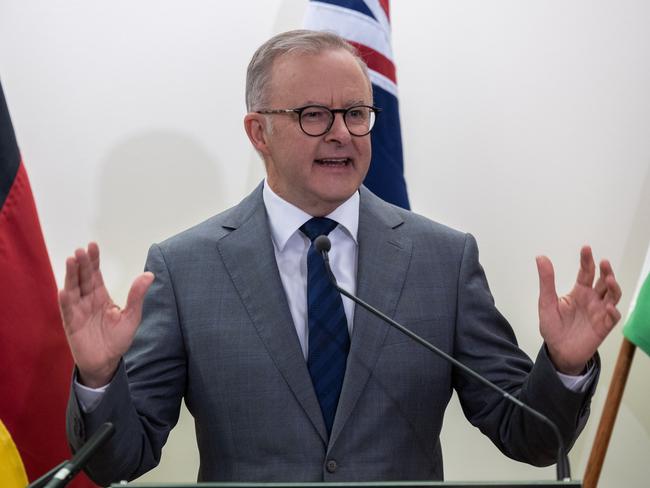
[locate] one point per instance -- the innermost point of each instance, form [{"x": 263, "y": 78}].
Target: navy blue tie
[{"x": 329, "y": 341}]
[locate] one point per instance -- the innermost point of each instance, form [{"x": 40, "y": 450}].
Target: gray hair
[{"x": 258, "y": 74}]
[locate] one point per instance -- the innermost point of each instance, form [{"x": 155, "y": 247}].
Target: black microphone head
[{"x": 322, "y": 244}]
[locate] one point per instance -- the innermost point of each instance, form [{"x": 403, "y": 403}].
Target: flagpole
[{"x": 608, "y": 417}]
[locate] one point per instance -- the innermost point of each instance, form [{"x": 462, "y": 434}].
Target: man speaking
[{"x": 286, "y": 380}]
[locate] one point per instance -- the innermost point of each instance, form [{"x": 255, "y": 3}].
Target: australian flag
[{"x": 366, "y": 25}]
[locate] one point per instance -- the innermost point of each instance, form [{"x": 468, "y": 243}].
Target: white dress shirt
[{"x": 291, "y": 246}]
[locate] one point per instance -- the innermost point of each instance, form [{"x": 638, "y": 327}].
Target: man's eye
[
  {"x": 357, "y": 114},
  {"x": 313, "y": 114}
]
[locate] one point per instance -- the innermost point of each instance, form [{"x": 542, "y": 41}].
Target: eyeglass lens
[{"x": 316, "y": 121}]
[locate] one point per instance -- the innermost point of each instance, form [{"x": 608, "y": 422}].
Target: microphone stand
[
  {"x": 40, "y": 482},
  {"x": 64, "y": 472},
  {"x": 563, "y": 469}
]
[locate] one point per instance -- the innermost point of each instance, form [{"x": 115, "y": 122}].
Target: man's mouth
[{"x": 333, "y": 161}]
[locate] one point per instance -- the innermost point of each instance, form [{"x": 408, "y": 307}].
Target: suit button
[{"x": 331, "y": 466}]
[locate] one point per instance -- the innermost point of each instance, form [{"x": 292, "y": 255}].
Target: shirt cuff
[
  {"x": 580, "y": 382},
  {"x": 88, "y": 398}
]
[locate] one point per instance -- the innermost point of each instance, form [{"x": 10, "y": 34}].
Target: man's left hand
[{"x": 573, "y": 326}]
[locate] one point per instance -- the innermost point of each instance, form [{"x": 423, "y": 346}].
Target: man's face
[{"x": 316, "y": 174}]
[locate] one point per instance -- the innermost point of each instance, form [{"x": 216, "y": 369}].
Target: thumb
[
  {"x": 547, "y": 294},
  {"x": 136, "y": 295}
]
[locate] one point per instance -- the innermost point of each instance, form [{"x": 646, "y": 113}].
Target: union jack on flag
[{"x": 366, "y": 25}]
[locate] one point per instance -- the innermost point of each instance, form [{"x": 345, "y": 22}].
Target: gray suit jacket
[{"x": 217, "y": 331}]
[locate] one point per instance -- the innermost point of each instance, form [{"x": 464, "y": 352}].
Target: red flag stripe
[
  {"x": 35, "y": 345},
  {"x": 385, "y": 7},
  {"x": 376, "y": 61},
  {"x": 35, "y": 360}
]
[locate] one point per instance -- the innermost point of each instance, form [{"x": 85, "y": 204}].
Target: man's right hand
[{"x": 98, "y": 331}]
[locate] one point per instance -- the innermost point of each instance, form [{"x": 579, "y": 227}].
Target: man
[{"x": 286, "y": 381}]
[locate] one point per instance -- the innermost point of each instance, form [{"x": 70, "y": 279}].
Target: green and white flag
[{"x": 637, "y": 327}]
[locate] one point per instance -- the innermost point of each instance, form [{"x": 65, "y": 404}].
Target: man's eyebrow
[{"x": 349, "y": 103}]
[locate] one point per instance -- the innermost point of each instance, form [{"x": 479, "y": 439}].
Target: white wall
[{"x": 526, "y": 123}]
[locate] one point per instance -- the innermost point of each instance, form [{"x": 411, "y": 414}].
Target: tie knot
[{"x": 317, "y": 226}]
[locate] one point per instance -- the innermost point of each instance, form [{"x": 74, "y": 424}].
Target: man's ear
[{"x": 255, "y": 127}]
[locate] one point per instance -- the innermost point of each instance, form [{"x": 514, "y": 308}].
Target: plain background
[{"x": 525, "y": 123}]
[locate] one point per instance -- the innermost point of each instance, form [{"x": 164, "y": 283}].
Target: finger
[
  {"x": 93, "y": 255},
  {"x": 85, "y": 272},
  {"x": 601, "y": 283},
  {"x": 614, "y": 291},
  {"x": 587, "y": 270},
  {"x": 547, "y": 294},
  {"x": 71, "y": 282},
  {"x": 136, "y": 296},
  {"x": 606, "y": 268},
  {"x": 607, "y": 287},
  {"x": 613, "y": 314},
  {"x": 65, "y": 306}
]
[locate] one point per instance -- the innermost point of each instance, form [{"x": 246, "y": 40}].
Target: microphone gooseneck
[
  {"x": 323, "y": 245},
  {"x": 72, "y": 467}
]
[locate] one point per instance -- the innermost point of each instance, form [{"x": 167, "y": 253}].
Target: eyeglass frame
[{"x": 333, "y": 111}]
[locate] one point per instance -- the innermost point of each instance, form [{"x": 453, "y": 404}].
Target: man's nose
[{"x": 339, "y": 131}]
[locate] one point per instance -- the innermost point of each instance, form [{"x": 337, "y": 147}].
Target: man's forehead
[
  {"x": 300, "y": 61},
  {"x": 310, "y": 56},
  {"x": 317, "y": 73},
  {"x": 347, "y": 102}
]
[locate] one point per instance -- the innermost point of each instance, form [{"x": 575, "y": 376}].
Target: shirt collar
[{"x": 285, "y": 218}]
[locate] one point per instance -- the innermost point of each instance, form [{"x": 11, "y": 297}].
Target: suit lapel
[
  {"x": 247, "y": 253},
  {"x": 383, "y": 259}
]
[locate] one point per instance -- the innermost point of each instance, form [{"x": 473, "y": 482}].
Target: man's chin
[{"x": 336, "y": 198}]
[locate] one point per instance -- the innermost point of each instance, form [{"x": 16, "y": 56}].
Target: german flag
[{"x": 35, "y": 363}]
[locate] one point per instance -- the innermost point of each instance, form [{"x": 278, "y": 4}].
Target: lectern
[{"x": 387, "y": 484}]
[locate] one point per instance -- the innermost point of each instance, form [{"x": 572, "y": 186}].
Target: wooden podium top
[{"x": 377, "y": 484}]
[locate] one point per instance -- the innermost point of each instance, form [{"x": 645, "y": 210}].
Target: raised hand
[
  {"x": 98, "y": 331},
  {"x": 573, "y": 326}
]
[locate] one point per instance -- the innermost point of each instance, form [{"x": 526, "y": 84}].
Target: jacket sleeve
[
  {"x": 143, "y": 399},
  {"x": 485, "y": 342}
]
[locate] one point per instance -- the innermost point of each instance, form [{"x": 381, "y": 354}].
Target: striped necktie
[{"x": 329, "y": 341}]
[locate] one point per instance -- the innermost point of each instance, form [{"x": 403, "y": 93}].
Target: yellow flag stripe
[{"x": 12, "y": 471}]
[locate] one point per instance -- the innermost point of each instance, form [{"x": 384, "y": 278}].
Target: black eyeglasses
[{"x": 316, "y": 120}]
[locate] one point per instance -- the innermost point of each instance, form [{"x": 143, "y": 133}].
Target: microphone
[
  {"x": 323, "y": 246},
  {"x": 69, "y": 469},
  {"x": 40, "y": 482}
]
